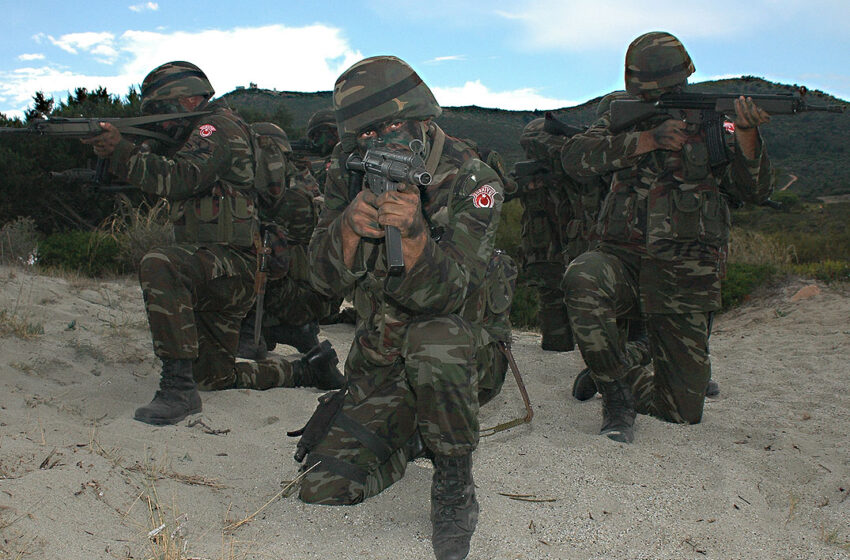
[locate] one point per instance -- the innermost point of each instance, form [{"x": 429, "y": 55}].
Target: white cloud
[
  {"x": 229, "y": 57},
  {"x": 97, "y": 43},
  {"x": 152, "y": 6},
  {"x": 614, "y": 23},
  {"x": 31, "y": 56},
  {"x": 476, "y": 93},
  {"x": 450, "y": 58}
]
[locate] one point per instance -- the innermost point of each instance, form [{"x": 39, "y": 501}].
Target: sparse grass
[
  {"x": 11, "y": 323},
  {"x": 832, "y": 538}
]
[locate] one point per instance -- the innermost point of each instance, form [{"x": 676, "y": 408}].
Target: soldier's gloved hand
[
  {"x": 748, "y": 115},
  {"x": 669, "y": 135},
  {"x": 402, "y": 209},
  {"x": 361, "y": 215},
  {"x": 104, "y": 144}
]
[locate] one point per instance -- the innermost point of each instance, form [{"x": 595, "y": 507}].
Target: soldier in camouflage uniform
[
  {"x": 423, "y": 351},
  {"x": 662, "y": 228},
  {"x": 197, "y": 291},
  {"x": 545, "y": 208},
  {"x": 291, "y": 306}
]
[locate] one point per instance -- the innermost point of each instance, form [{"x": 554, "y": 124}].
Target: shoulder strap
[{"x": 436, "y": 150}]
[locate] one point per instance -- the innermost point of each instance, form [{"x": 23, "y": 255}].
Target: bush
[
  {"x": 524, "y": 308},
  {"x": 92, "y": 253},
  {"x": 18, "y": 241},
  {"x": 825, "y": 271},
  {"x": 741, "y": 279}
]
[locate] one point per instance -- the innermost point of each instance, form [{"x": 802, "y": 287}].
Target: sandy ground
[{"x": 766, "y": 475}]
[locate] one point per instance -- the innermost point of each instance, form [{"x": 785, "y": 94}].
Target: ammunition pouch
[{"x": 228, "y": 216}]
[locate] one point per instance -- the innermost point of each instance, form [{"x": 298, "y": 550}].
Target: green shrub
[
  {"x": 741, "y": 280},
  {"x": 825, "y": 271},
  {"x": 524, "y": 308},
  {"x": 92, "y": 253}
]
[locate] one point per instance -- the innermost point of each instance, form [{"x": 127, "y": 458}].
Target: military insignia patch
[
  {"x": 206, "y": 130},
  {"x": 729, "y": 127},
  {"x": 484, "y": 197}
]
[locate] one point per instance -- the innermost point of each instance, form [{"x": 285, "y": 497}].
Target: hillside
[
  {"x": 813, "y": 147},
  {"x": 765, "y": 476}
]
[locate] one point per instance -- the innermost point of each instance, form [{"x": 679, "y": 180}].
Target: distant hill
[{"x": 813, "y": 147}]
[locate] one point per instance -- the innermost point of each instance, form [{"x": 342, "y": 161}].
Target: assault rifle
[
  {"x": 384, "y": 169},
  {"x": 707, "y": 112},
  {"x": 90, "y": 178},
  {"x": 87, "y": 127}
]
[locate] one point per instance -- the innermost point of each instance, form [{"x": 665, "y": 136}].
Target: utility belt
[{"x": 226, "y": 216}]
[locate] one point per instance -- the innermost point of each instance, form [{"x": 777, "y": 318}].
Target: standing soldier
[
  {"x": 545, "y": 207},
  {"x": 426, "y": 345},
  {"x": 662, "y": 227},
  {"x": 197, "y": 291}
]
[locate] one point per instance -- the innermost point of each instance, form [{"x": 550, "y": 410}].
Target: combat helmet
[
  {"x": 656, "y": 61},
  {"x": 273, "y": 131},
  {"x": 325, "y": 117},
  {"x": 605, "y": 103},
  {"x": 540, "y": 144},
  {"x": 170, "y": 81},
  {"x": 376, "y": 90}
]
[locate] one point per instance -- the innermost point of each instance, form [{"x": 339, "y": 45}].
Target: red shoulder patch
[
  {"x": 484, "y": 197},
  {"x": 206, "y": 130},
  {"x": 729, "y": 127}
]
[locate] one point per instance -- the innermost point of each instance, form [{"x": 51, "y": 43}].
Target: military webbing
[
  {"x": 436, "y": 150},
  {"x": 370, "y": 439}
]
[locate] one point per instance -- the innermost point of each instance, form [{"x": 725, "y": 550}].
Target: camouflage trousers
[
  {"x": 291, "y": 300},
  {"x": 602, "y": 291},
  {"x": 430, "y": 391},
  {"x": 552, "y": 315},
  {"x": 268, "y": 373},
  {"x": 195, "y": 298}
]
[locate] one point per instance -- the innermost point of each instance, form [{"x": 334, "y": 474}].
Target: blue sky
[{"x": 536, "y": 54}]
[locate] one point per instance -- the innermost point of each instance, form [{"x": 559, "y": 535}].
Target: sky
[{"x": 508, "y": 54}]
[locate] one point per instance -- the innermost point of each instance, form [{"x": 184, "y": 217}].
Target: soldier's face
[{"x": 393, "y": 135}]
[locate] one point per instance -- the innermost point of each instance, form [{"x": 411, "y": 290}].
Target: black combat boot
[
  {"x": 176, "y": 398},
  {"x": 247, "y": 349},
  {"x": 454, "y": 509},
  {"x": 713, "y": 389},
  {"x": 584, "y": 387},
  {"x": 618, "y": 411},
  {"x": 318, "y": 369},
  {"x": 302, "y": 337}
]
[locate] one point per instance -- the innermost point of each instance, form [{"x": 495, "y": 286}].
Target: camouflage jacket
[
  {"x": 671, "y": 208},
  {"x": 462, "y": 206},
  {"x": 209, "y": 179}
]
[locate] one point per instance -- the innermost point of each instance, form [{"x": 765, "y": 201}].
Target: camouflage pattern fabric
[
  {"x": 603, "y": 290},
  {"x": 431, "y": 389},
  {"x": 546, "y": 211},
  {"x": 170, "y": 81},
  {"x": 209, "y": 179},
  {"x": 663, "y": 230},
  {"x": 195, "y": 298},
  {"x": 414, "y": 362},
  {"x": 656, "y": 61},
  {"x": 197, "y": 291},
  {"x": 268, "y": 373}
]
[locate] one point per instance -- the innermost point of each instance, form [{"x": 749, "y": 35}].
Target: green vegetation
[
  {"x": 93, "y": 253},
  {"x": 98, "y": 233}
]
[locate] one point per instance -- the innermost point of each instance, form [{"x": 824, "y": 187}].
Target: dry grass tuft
[
  {"x": 751, "y": 247},
  {"x": 137, "y": 230}
]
